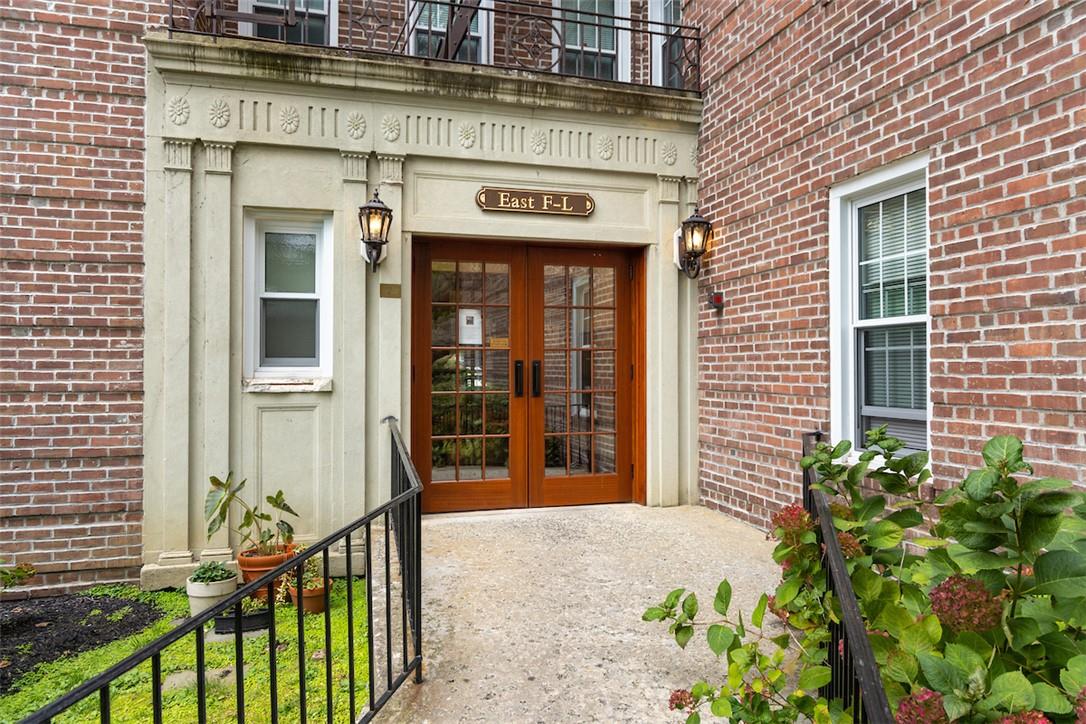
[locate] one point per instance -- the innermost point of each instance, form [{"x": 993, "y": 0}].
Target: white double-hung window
[
  {"x": 879, "y": 305},
  {"x": 315, "y": 21},
  {"x": 288, "y": 305}
]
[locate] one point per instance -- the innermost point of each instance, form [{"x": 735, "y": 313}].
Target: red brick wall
[
  {"x": 71, "y": 329},
  {"x": 803, "y": 94}
]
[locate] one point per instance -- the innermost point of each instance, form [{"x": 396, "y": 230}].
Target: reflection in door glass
[{"x": 470, "y": 337}]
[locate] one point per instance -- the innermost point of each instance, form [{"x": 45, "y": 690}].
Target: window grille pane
[
  {"x": 289, "y": 331},
  {"x": 914, "y": 433},
  {"x": 290, "y": 262},
  {"x": 893, "y": 257},
  {"x": 311, "y": 29},
  {"x": 895, "y": 367}
]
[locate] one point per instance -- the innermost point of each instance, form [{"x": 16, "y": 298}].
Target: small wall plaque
[{"x": 527, "y": 201}]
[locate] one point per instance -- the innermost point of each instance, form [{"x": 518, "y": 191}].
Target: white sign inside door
[{"x": 471, "y": 327}]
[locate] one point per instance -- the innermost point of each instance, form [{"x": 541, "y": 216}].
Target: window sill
[{"x": 287, "y": 384}]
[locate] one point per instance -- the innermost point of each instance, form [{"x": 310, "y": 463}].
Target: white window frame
[
  {"x": 486, "y": 29},
  {"x": 657, "y": 25},
  {"x": 845, "y": 199},
  {"x": 331, "y": 14},
  {"x": 256, "y": 224},
  {"x": 622, "y": 41}
]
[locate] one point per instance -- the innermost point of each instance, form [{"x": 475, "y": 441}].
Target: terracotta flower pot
[
  {"x": 312, "y": 598},
  {"x": 253, "y": 566}
]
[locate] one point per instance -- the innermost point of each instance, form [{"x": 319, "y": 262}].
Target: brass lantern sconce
[
  {"x": 376, "y": 219},
  {"x": 695, "y": 241}
]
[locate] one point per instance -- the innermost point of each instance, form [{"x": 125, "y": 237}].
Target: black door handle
[
  {"x": 536, "y": 369},
  {"x": 518, "y": 378}
]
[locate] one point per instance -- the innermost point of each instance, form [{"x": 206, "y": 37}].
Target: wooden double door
[{"x": 523, "y": 375}]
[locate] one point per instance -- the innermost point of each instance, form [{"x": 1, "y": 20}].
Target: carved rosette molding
[
  {"x": 390, "y": 128},
  {"x": 218, "y": 113},
  {"x": 605, "y": 146},
  {"x": 218, "y": 157},
  {"x": 669, "y": 153},
  {"x": 466, "y": 133},
  {"x": 354, "y": 165},
  {"x": 539, "y": 142},
  {"x": 356, "y": 125},
  {"x": 177, "y": 154},
  {"x": 178, "y": 110},
  {"x": 289, "y": 120},
  {"x": 391, "y": 168}
]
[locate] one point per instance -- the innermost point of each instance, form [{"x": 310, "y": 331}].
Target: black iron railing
[
  {"x": 855, "y": 673},
  {"x": 398, "y": 521},
  {"x": 538, "y": 35}
]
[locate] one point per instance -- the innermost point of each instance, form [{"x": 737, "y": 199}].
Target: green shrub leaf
[
  {"x": 1012, "y": 692},
  {"x": 941, "y": 675},
  {"x": 1003, "y": 450},
  {"x": 1073, "y": 677},
  {"x": 814, "y": 677},
  {"x": 690, "y": 606},
  {"x": 673, "y": 598},
  {"x": 723, "y": 598},
  {"x": 787, "y": 591},
  {"x": 885, "y": 534},
  {"x": 683, "y": 634},
  {"x": 1048, "y": 698},
  {"x": 1060, "y": 573},
  {"x": 759, "y": 611},
  {"x": 978, "y": 485},
  {"x": 722, "y": 707},
  {"x": 655, "y": 613},
  {"x": 720, "y": 638}
]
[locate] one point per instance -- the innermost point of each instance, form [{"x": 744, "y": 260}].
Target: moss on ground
[{"x": 131, "y": 693}]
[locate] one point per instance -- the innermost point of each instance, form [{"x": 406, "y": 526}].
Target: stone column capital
[
  {"x": 668, "y": 187},
  {"x": 354, "y": 166},
  {"x": 177, "y": 154},
  {"x": 391, "y": 168},
  {"x": 218, "y": 157}
]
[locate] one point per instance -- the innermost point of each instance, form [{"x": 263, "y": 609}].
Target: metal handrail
[
  {"x": 855, "y": 678},
  {"x": 403, "y": 511},
  {"x": 386, "y": 27}
]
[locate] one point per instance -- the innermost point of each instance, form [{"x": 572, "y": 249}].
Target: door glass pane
[
  {"x": 554, "y": 413},
  {"x": 443, "y": 326},
  {"x": 580, "y": 285},
  {"x": 580, "y": 334},
  {"x": 603, "y": 412},
  {"x": 603, "y": 370},
  {"x": 554, "y": 370},
  {"x": 443, "y": 281},
  {"x": 580, "y": 411},
  {"x": 471, "y": 414},
  {"x": 470, "y": 282},
  {"x": 554, "y": 285},
  {"x": 580, "y": 454},
  {"x": 290, "y": 262},
  {"x": 497, "y": 458},
  {"x": 497, "y": 327},
  {"x": 554, "y": 455},
  {"x": 471, "y": 458},
  {"x": 603, "y": 454},
  {"x": 497, "y": 370},
  {"x": 603, "y": 287},
  {"x": 580, "y": 370},
  {"x": 290, "y": 331},
  {"x": 497, "y": 283},
  {"x": 443, "y": 460},
  {"x": 554, "y": 328},
  {"x": 442, "y": 371},
  {"x": 497, "y": 414},
  {"x": 471, "y": 370},
  {"x": 603, "y": 328},
  {"x": 443, "y": 415}
]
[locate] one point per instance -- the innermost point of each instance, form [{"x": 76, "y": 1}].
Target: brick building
[
  {"x": 925, "y": 158},
  {"x": 816, "y": 109}
]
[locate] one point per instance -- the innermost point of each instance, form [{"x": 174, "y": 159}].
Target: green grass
[{"x": 131, "y": 693}]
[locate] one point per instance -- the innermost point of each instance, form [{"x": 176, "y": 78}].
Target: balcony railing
[{"x": 548, "y": 36}]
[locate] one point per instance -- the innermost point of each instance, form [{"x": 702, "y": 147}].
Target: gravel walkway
[{"x": 535, "y": 615}]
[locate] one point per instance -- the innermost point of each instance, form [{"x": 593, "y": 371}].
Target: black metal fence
[
  {"x": 398, "y": 521},
  {"x": 855, "y": 673},
  {"x": 536, "y": 35}
]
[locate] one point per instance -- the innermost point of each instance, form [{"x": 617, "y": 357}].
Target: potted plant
[
  {"x": 209, "y": 584},
  {"x": 313, "y": 585},
  {"x": 255, "y": 615},
  {"x": 270, "y": 540}
]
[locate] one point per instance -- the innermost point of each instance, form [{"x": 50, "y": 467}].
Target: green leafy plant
[
  {"x": 265, "y": 535},
  {"x": 211, "y": 572},
  {"x": 974, "y": 601},
  {"x": 16, "y": 575},
  {"x": 312, "y": 577}
]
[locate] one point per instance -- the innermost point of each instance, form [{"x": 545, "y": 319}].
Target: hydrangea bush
[{"x": 974, "y": 601}]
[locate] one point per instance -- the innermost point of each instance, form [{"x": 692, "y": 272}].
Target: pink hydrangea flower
[
  {"x": 964, "y": 604},
  {"x": 1080, "y": 707},
  {"x": 1026, "y": 717},
  {"x": 791, "y": 522},
  {"x": 680, "y": 699},
  {"x": 923, "y": 706},
  {"x": 850, "y": 545}
]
